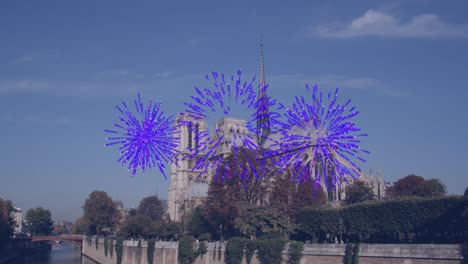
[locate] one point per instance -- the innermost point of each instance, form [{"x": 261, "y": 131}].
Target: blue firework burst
[
  {"x": 319, "y": 140},
  {"x": 231, "y": 108},
  {"x": 147, "y": 139}
]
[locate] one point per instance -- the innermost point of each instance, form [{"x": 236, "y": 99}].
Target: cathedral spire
[
  {"x": 262, "y": 66},
  {"x": 263, "y": 117}
]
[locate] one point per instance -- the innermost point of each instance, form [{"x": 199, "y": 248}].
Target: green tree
[
  {"x": 137, "y": 227},
  {"x": 151, "y": 207},
  {"x": 431, "y": 188},
  {"x": 6, "y": 222},
  {"x": 80, "y": 226},
  {"x": 413, "y": 185},
  {"x": 358, "y": 192},
  {"x": 100, "y": 213},
  {"x": 39, "y": 221},
  {"x": 255, "y": 221},
  {"x": 197, "y": 223}
]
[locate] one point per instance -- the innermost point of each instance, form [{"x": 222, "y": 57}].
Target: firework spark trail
[
  {"x": 147, "y": 139},
  {"x": 319, "y": 141},
  {"x": 227, "y": 96}
]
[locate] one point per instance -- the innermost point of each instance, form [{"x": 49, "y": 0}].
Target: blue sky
[{"x": 64, "y": 65}]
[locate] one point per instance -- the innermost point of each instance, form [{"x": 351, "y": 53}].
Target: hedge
[{"x": 429, "y": 220}]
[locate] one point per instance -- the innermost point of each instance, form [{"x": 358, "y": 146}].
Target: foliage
[
  {"x": 136, "y": 227},
  {"x": 100, "y": 212},
  {"x": 202, "y": 249},
  {"x": 96, "y": 241},
  {"x": 348, "y": 257},
  {"x": 164, "y": 229},
  {"x": 80, "y": 226},
  {"x": 119, "y": 250},
  {"x": 358, "y": 192},
  {"x": 214, "y": 252},
  {"x": 295, "y": 252},
  {"x": 219, "y": 252},
  {"x": 431, "y": 188},
  {"x": 205, "y": 237},
  {"x": 250, "y": 247},
  {"x": 150, "y": 251},
  {"x": 270, "y": 249},
  {"x": 431, "y": 220},
  {"x": 356, "y": 254},
  {"x": 187, "y": 254},
  {"x": 39, "y": 221},
  {"x": 413, "y": 185},
  {"x": 227, "y": 196},
  {"x": 151, "y": 207},
  {"x": 111, "y": 248},
  {"x": 106, "y": 246},
  {"x": 197, "y": 223},
  {"x": 255, "y": 221},
  {"x": 234, "y": 250},
  {"x": 6, "y": 222}
]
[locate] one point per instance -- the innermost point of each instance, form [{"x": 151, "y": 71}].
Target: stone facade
[{"x": 166, "y": 253}]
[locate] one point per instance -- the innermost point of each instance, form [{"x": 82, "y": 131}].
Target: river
[{"x": 63, "y": 253}]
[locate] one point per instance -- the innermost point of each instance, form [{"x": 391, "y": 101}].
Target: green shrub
[
  {"x": 270, "y": 249},
  {"x": 234, "y": 250},
  {"x": 295, "y": 252},
  {"x": 432, "y": 220},
  {"x": 119, "y": 249},
  {"x": 250, "y": 247},
  {"x": 106, "y": 246},
  {"x": 348, "y": 257},
  {"x": 205, "y": 237},
  {"x": 187, "y": 253},
  {"x": 356, "y": 254},
  {"x": 202, "y": 249},
  {"x": 111, "y": 248},
  {"x": 150, "y": 251}
]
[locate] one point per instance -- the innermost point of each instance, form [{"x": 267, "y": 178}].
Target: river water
[{"x": 63, "y": 253}]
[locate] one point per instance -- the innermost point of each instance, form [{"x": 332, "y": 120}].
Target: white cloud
[
  {"x": 368, "y": 84},
  {"x": 377, "y": 23}
]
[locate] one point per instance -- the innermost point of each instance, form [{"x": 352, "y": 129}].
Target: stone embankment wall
[{"x": 166, "y": 253}]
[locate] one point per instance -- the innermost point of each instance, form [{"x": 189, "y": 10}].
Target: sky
[{"x": 64, "y": 65}]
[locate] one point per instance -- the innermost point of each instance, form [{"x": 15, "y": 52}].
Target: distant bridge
[{"x": 75, "y": 239}]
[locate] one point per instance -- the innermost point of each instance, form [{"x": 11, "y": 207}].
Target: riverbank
[{"x": 22, "y": 247}]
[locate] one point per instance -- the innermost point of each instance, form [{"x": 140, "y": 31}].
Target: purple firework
[
  {"x": 147, "y": 139},
  {"x": 319, "y": 141},
  {"x": 222, "y": 105}
]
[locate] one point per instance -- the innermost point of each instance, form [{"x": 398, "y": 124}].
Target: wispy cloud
[
  {"x": 367, "y": 84},
  {"x": 380, "y": 24},
  {"x": 23, "y": 59}
]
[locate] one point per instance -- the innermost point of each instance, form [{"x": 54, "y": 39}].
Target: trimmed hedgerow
[
  {"x": 150, "y": 251},
  {"x": 270, "y": 249},
  {"x": 119, "y": 249},
  {"x": 250, "y": 247}
]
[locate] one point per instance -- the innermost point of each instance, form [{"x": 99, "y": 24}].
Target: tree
[
  {"x": 197, "y": 223},
  {"x": 289, "y": 197},
  {"x": 39, "y": 221},
  {"x": 80, "y": 226},
  {"x": 225, "y": 196},
  {"x": 100, "y": 213},
  {"x": 431, "y": 188},
  {"x": 6, "y": 222},
  {"x": 152, "y": 207},
  {"x": 255, "y": 221},
  {"x": 358, "y": 192},
  {"x": 138, "y": 226},
  {"x": 413, "y": 185}
]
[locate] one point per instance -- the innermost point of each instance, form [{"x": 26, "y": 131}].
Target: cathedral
[{"x": 188, "y": 188}]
